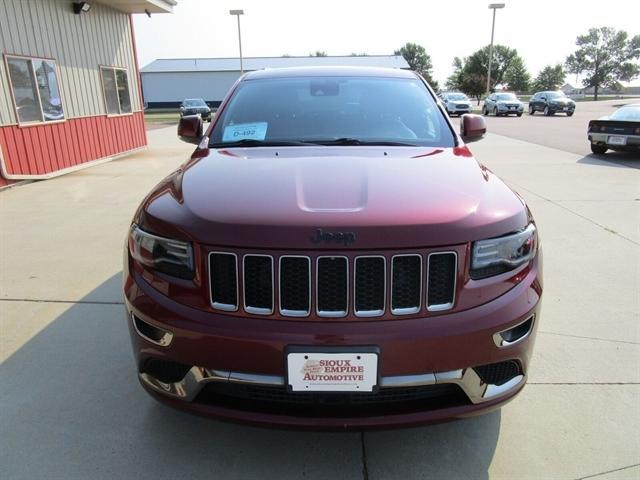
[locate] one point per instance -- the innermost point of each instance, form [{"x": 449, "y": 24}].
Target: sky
[{"x": 543, "y": 31}]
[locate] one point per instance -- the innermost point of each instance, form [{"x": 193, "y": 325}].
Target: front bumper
[
  {"x": 506, "y": 109},
  {"x": 221, "y": 350}
]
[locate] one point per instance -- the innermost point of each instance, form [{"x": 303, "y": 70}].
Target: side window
[
  {"x": 115, "y": 85},
  {"x": 36, "y": 89}
]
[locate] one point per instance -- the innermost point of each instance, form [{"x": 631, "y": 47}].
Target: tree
[
  {"x": 454, "y": 81},
  {"x": 550, "y": 77},
  {"x": 318, "y": 53},
  {"x": 517, "y": 77},
  {"x": 478, "y": 63},
  {"x": 605, "y": 56},
  {"x": 419, "y": 61}
]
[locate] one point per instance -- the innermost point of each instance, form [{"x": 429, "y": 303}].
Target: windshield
[
  {"x": 195, "y": 102},
  {"x": 506, "y": 96},
  {"x": 332, "y": 110},
  {"x": 630, "y": 114},
  {"x": 457, "y": 96},
  {"x": 555, "y": 95}
]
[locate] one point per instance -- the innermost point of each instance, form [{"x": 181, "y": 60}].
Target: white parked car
[{"x": 456, "y": 103}]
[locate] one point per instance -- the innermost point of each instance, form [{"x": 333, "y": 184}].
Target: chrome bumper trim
[{"x": 467, "y": 379}]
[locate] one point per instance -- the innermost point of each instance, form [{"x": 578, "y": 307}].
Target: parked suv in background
[
  {"x": 551, "y": 102},
  {"x": 502, "y": 104},
  {"x": 456, "y": 103},
  {"x": 195, "y": 106},
  {"x": 332, "y": 256}
]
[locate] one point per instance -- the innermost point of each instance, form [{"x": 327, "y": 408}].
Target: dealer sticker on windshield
[
  {"x": 332, "y": 372},
  {"x": 245, "y": 131}
]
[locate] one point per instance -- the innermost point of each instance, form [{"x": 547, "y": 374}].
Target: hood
[{"x": 400, "y": 197}]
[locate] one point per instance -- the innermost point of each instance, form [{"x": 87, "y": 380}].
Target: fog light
[
  {"x": 514, "y": 334},
  {"x": 151, "y": 333}
]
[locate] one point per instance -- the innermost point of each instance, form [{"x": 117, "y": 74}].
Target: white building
[{"x": 168, "y": 81}]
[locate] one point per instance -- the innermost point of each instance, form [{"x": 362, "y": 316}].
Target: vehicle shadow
[
  {"x": 613, "y": 159},
  {"x": 72, "y": 407}
]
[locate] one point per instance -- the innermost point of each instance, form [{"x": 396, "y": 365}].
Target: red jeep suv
[{"x": 332, "y": 256}]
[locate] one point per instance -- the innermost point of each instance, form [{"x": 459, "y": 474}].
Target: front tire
[
  {"x": 485, "y": 112},
  {"x": 569, "y": 114},
  {"x": 495, "y": 111},
  {"x": 519, "y": 114},
  {"x": 532, "y": 110},
  {"x": 547, "y": 112},
  {"x": 598, "y": 149}
]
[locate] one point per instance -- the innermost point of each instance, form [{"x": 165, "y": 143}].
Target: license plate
[
  {"x": 565, "y": 109},
  {"x": 332, "y": 372},
  {"x": 617, "y": 140},
  {"x": 512, "y": 108}
]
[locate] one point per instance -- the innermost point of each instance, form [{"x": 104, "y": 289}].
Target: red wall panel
[{"x": 45, "y": 149}]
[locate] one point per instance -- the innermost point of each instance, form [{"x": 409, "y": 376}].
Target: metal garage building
[
  {"x": 168, "y": 81},
  {"x": 69, "y": 84}
]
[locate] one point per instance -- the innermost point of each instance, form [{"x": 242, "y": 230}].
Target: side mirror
[
  {"x": 190, "y": 129},
  {"x": 472, "y": 127}
]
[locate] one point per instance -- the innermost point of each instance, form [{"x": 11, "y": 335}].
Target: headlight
[
  {"x": 498, "y": 255},
  {"x": 165, "y": 255}
]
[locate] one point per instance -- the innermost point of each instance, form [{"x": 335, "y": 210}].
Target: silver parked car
[
  {"x": 456, "y": 103},
  {"x": 502, "y": 104}
]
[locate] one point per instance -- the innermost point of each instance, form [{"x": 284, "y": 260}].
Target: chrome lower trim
[{"x": 467, "y": 379}]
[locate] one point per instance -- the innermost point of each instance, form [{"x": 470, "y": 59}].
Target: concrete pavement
[{"x": 70, "y": 406}]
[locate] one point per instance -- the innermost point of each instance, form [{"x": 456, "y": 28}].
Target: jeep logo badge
[{"x": 346, "y": 238}]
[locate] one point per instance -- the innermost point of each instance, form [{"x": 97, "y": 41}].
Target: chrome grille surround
[
  {"x": 407, "y": 310},
  {"x": 227, "y": 307},
  {"x": 439, "y": 307},
  {"x": 332, "y": 313},
  {"x": 293, "y": 313},
  {"x": 343, "y": 277},
  {"x": 369, "y": 313},
  {"x": 250, "y": 308}
]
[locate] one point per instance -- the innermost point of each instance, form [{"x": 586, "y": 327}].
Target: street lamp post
[
  {"x": 237, "y": 13},
  {"x": 494, "y": 7}
]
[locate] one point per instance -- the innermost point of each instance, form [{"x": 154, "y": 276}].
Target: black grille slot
[
  {"x": 370, "y": 286},
  {"x": 258, "y": 284},
  {"x": 268, "y": 399},
  {"x": 332, "y": 286},
  {"x": 406, "y": 284},
  {"x": 295, "y": 286},
  {"x": 441, "y": 281},
  {"x": 165, "y": 370},
  {"x": 224, "y": 281},
  {"x": 498, "y": 373}
]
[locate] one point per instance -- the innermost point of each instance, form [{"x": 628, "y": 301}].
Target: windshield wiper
[
  {"x": 357, "y": 141},
  {"x": 250, "y": 142}
]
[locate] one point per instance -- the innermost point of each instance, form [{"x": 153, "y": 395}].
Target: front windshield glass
[
  {"x": 556, "y": 95},
  {"x": 457, "y": 96},
  {"x": 629, "y": 114},
  {"x": 323, "y": 109},
  {"x": 506, "y": 96},
  {"x": 194, "y": 103}
]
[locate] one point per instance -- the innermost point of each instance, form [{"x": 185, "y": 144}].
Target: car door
[
  {"x": 491, "y": 102},
  {"x": 534, "y": 101}
]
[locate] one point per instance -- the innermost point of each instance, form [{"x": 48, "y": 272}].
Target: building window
[
  {"x": 35, "y": 88},
  {"x": 115, "y": 83}
]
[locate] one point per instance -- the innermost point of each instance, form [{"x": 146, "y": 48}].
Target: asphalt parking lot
[{"x": 71, "y": 407}]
